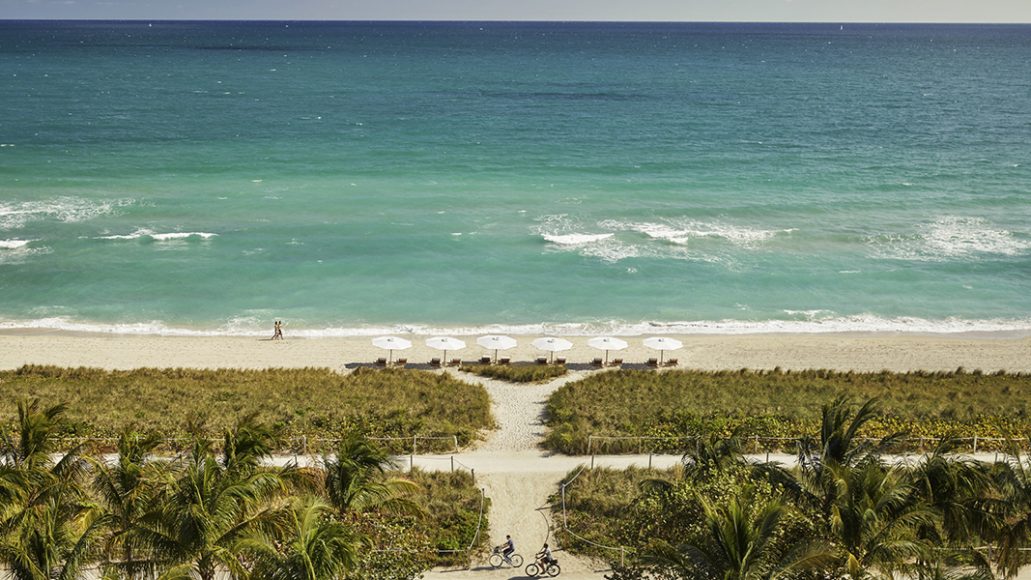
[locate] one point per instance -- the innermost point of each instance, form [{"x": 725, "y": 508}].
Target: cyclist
[
  {"x": 508, "y": 548},
  {"x": 544, "y": 556}
]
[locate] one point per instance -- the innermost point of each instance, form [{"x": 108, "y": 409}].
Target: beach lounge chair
[
  {"x": 504, "y": 361},
  {"x": 456, "y": 362},
  {"x": 381, "y": 362},
  {"x": 596, "y": 362},
  {"x": 653, "y": 362},
  {"x": 485, "y": 360},
  {"x": 616, "y": 362},
  {"x": 435, "y": 362},
  {"x": 672, "y": 362},
  {"x": 401, "y": 362},
  {"x": 541, "y": 360},
  {"x": 560, "y": 361}
]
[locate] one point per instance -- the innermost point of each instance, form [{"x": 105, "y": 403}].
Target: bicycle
[
  {"x": 539, "y": 568},
  {"x": 497, "y": 559}
]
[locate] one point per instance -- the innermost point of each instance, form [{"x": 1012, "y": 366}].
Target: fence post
[
  {"x": 455, "y": 437},
  {"x": 415, "y": 443},
  {"x": 590, "y": 440},
  {"x": 622, "y": 556},
  {"x": 452, "y": 464},
  {"x": 473, "y": 472},
  {"x": 975, "y": 444},
  {"x": 592, "y": 461},
  {"x": 650, "y": 460}
]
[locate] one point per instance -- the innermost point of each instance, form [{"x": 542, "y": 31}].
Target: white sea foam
[
  {"x": 163, "y": 237},
  {"x": 805, "y": 322},
  {"x": 182, "y": 236},
  {"x": 13, "y": 244},
  {"x": 14, "y": 215},
  {"x": 949, "y": 238},
  {"x": 681, "y": 231},
  {"x": 575, "y": 239}
]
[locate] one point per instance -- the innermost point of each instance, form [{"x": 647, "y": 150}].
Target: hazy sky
[{"x": 685, "y": 10}]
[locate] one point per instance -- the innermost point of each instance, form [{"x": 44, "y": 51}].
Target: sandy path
[{"x": 518, "y": 479}]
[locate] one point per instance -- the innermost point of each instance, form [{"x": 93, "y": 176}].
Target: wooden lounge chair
[
  {"x": 485, "y": 360},
  {"x": 560, "y": 361},
  {"x": 616, "y": 362},
  {"x": 455, "y": 362},
  {"x": 541, "y": 360},
  {"x": 653, "y": 362},
  {"x": 401, "y": 362},
  {"x": 596, "y": 362},
  {"x": 381, "y": 362},
  {"x": 435, "y": 362},
  {"x": 672, "y": 362},
  {"x": 504, "y": 361}
]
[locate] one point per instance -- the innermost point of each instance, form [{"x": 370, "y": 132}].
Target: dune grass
[
  {"x": 517, "y": 373},
  {"x": 313, "y": 403},
  {"x": 780, "y": 404}
]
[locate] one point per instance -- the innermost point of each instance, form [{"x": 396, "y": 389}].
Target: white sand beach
[{"x": 861, "y": 352}]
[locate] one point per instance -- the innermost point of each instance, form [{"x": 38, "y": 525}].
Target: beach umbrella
[
  {"x": 607, "y": 343},
  {"x": 496, "y": 342},
  {"x": 552, "y": 344},
  {"x": 445, "y": 343},
  {"x": 391, "y": 343},
  {"x": 662, "y": 344}
]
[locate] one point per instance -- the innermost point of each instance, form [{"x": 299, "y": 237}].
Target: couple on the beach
[{"x": 277, "y": 333}]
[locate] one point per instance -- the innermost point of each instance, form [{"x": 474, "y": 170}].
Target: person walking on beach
[{"x": 277, "y": 334}]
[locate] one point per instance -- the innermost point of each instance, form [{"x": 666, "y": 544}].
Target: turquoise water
[{"x": 345, "y": 177}]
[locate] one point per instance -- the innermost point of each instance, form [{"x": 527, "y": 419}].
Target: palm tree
[
  {"x": 739, "y": 544},
  {"x": 127, "y": 489},
  {"x": 313, "y": 546},
  {"x": 874, "y": 521},
  {"x": 47, "y": 524},
  {"x": 354, "y": 479},
  {"x": 211, "y": 508}
]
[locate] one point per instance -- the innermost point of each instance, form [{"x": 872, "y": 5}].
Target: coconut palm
[
  {"x": 313, "y": 546},
  {"x": 874, "y": 521},
  {"x": 211, "y": 507},
  {"x": 739, "y": 544},
  {"x": 127, "y": 489},
  {"x": 355, "y": 479},
  {"x": 47, "y": 524}
]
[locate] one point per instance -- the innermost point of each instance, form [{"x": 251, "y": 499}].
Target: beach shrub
[
  {"x": 779, "y": 404},
  {"x": 304, "y": 406},
  {"x": 517, "y": 373}
]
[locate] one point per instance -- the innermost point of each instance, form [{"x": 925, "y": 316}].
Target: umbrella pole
[
  {"x": 552, "y": 357},
  {"x": 606, "y": 358},
  {"x": 390, "y": 357},
  {"x": 495, "y": 356},
  {"x": 661, "y": 352}
]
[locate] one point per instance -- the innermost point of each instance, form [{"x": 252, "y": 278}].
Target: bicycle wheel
[
  {"x": 517, "y": 560},
  {"x": 495, "y": 560},
  {"x": 554, "y": 570},
  {"x": 531, "y": 569}
]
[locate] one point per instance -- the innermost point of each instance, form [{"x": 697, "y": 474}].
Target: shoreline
[{"x": 858, "y": 351}]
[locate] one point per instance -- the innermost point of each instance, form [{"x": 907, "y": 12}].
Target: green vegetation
[
  {"x": 517, "y": 373},
  {"x": 225, "y": 514},
  {"x": 779, "y": 404},
  {"x": 314, "y": 403},
  {"x": 843, "y": 512}
]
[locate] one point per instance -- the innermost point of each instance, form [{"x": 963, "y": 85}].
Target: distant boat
[{"x": 842, "y": 27}]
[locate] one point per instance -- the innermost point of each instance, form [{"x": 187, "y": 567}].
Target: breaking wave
[{"x": 14, "y": 215}]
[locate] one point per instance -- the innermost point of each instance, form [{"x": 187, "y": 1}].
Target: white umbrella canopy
[
  {"x": 607, "y": 343},
  {"x": 391, "y": 343},
  {"x": 662, "y": 344},
  {"x": 552, "y": 344},
  {"x": 445, "y": 343},
  {"x": 496, "y": 342}
]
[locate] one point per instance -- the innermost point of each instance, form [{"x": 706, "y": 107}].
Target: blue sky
[{"x": 676, "y": 10}]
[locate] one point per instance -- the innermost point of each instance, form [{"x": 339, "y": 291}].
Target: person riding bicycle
[
  {"x": 544, "y": 556},
  {"x": 508, "y": 548}
]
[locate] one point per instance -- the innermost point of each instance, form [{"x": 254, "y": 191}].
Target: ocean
[{"x": 353, "y": 178}]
